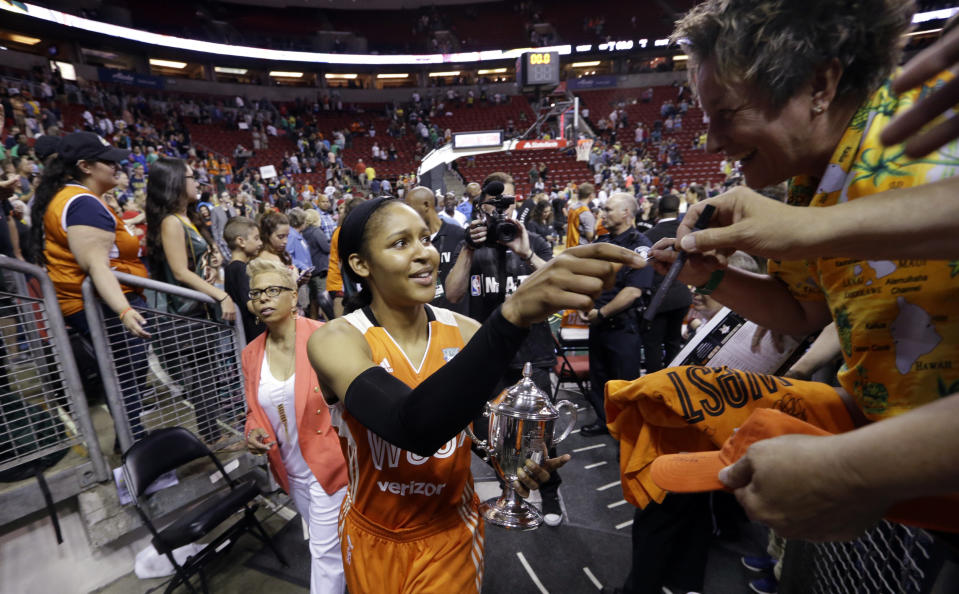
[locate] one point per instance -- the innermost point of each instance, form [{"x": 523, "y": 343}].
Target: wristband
[
  {"x": 529, "y": 259},
  {"x": 599, "y": 314},
  {"x": 224, "y": 298},
  {"x": 125, "y": 312},
  {"x": 714, "y": 279}
]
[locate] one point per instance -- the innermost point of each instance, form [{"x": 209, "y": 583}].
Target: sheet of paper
[
  {"x": 123, "y": 493},
  {"x": 726, "y": 339}
]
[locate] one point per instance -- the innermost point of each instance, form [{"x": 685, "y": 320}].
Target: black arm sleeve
[{"x": 422, "y": 419}]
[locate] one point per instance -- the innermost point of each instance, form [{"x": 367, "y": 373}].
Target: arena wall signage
[
  {"x": 126, "y": 77},
  {"x": 591, "y": 82},
  {"x": 528, "y": 145}
]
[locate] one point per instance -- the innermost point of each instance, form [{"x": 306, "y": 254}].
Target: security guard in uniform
[{"x": 614, "y": 338}]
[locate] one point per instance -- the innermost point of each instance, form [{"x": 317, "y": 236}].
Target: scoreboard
[{"x": 538, "y": 69}]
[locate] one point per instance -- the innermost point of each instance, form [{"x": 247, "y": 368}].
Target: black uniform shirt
[
  {"x": 628, "y": 277},
  {"x": 448, "y": 241},
  {"x": 679, "y": 296}
]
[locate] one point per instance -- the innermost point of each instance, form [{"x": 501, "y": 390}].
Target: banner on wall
[
  {"x": 603, "y": 81},
  {"x": 125, "y": 77},
  {"x": 526, "y": 145}
]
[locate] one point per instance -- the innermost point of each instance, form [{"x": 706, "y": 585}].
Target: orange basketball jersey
[
  {"x": 572, "y": 225},
  {"x": 392, "y": 488}
]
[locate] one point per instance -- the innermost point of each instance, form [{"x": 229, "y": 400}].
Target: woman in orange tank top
[{"x": 404, "y": 379}]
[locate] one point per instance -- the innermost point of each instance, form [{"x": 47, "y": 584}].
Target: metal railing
[
  {"x": 888, "y": 559},
  {"x": 186, "y": 374},
  {"x": 45, "y": 409}
]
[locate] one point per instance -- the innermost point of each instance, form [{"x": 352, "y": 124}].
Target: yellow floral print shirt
[{"x": 898, "y": 320}]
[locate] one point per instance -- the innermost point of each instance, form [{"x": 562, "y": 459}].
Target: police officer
[
  {"x": 445, "y": 237},
  {"x": 614, "y": 337},
  {"x": 484, "y": 275}
]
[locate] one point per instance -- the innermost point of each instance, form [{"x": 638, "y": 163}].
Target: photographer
[
  {"x": 614, "y": 337},
  {"x": 497, "y": 255}
]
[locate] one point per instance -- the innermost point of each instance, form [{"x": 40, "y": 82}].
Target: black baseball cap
[
  {"x": 45, "y": 146},
  {"x": 81, "y": 146}
]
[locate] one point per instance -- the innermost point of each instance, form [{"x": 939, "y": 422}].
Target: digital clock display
[{"x": 542, "y": 68}]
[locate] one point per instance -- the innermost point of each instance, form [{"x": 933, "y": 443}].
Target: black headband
[{"x": 351, "y": 232}]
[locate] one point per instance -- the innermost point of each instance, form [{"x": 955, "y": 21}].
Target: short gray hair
[
  {"x": 297, "y": 217},
  {"x": 776, "y": 45}
]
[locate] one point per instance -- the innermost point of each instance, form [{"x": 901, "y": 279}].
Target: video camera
[{"x": 499, "y": 229}]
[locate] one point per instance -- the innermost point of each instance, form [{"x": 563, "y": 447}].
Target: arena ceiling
[{"x": 356, "y": 4}]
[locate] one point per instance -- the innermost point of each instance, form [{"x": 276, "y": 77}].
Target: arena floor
[{"x": 591, "y": 549}]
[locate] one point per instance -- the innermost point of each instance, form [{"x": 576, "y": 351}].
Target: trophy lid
[{"x": 524, "y": 399}]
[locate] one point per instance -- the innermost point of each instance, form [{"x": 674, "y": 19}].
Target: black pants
[
  {"x": 614, "y": 353},
  {"x": 130, "y": 359},
  {"x": 541, "y": 379},
  {"x": 670, "y": 545},
  {"x": 664, "y": 333}
]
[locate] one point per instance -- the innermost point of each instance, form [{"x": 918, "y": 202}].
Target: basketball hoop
[{"x": 583, "y": 146}]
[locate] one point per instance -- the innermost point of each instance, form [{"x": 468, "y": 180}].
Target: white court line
[
  {"x": 607, "y": 486},
  {"x": 532, "y": 575},
  {"x": 616, "y": 503},
  {"x": 592, "y": 447},
  {"x": 588, "y": 466},
  {"x": 624, "y": 524},
  {"x": 592, "y": 578}
]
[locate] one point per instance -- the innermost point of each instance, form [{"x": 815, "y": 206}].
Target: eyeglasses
[
  {"x": 188, "y": 177},
  {"x": 273, "y": 291}
]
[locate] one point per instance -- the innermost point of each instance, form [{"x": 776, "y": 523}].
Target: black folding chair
[
  {"x": 570, "y": 367},
  {"x": 164, "y": 450}
]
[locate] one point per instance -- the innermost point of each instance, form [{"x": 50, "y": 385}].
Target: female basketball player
[{"x": 405, "y": 378}]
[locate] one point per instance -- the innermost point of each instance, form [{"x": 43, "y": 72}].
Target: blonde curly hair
[{"x": 258, "y": 266}]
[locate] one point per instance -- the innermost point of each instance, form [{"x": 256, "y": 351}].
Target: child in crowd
[{"x": 242, "y": 236}]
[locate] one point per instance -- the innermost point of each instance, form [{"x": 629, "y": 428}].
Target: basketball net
[{"x": 583, "y": 146}]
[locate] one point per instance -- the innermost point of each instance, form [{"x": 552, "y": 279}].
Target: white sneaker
[{"x": 552, "y": 512}]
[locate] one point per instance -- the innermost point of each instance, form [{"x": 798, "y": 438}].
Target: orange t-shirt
[
  {"x": 391, "y": 487},
  {"x": 66, "y": 274},
  {"x": 693, "y": 409}
]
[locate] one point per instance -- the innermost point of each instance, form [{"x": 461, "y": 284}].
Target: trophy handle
[
  {"x": 481, "y": 444},
  {"x": 571, "y": 409}
]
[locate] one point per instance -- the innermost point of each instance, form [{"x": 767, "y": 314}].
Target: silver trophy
[{"x": 521, "y": 426}]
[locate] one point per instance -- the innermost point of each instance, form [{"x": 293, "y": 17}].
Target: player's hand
[
  {"x": 258, "y": 441},
  {"x": 571, "y": 280},
  {"x": 942, "y": 55},
  {"x": 798, "y": 486},
  {"x": 534, "y": 475},
  {"x": 748, "y": 221}
]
